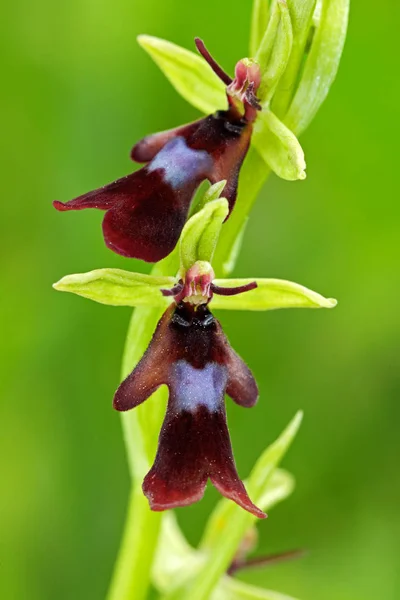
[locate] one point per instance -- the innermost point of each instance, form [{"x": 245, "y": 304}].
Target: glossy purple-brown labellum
[
  {"x": 191, "y": 355},
  {"x": 147, "y": 210},
  {"x": 225, "y": 136}
]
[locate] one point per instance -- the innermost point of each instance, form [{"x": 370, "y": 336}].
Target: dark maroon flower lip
[
  {"x": 146, "y": 210},
  {"x": 191, "y": 355}
]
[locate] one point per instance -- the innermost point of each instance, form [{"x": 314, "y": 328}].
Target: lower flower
[{"x": 191, "y": 355}]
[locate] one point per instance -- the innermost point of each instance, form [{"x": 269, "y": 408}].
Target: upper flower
[{"x": 147, "y": 210}]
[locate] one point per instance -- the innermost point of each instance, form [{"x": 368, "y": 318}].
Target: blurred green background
[{"x": 77, "y": 93}]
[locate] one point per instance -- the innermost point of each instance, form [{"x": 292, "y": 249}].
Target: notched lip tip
[{"x": 158, "y": 507}]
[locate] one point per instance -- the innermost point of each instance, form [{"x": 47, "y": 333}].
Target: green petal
[
  {"x": 200, "y": 235},
  {"x": 259, "y": 22},
  {"x": 190, "y": 75},
  {"x": 117, "y": 287},
  {"x": 278, "y": 146},
  {"x": 321, "y": 64},
  {"x": 270, "y": 294},
  {"x": 224, "y": 549}
]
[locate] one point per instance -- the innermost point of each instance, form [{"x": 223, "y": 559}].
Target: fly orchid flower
[
  {"x": 146, "y": 211},
  {"x": 192, "y": 356}
]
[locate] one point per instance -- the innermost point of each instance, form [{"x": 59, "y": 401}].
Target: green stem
[
  {"x": 132, "y": 571},
  {"x": 252, "y": 177}
]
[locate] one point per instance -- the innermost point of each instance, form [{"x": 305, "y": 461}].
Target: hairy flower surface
[
  {"x": 191, "y": 355},
  {"x": 146, "y": 211}
]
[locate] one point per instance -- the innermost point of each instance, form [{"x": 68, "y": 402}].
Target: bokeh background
[{"x": 77, "y": 92}]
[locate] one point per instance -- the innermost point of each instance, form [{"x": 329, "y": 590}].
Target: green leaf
[
  {"x": 278, "y": 488},
  {"x": 269, "y": 294},
  {"x": 279, "y": 55},
  {"x": 225, "y": 547},
  {"x": 278, "y": 146},
  {"x": 259, "y": 22},
  {"x": 321, "y": 64},
  {"x": 233, "y": 589},
  {"x": 190, "y": 75},
  {"x": 200, "y": 235},
  {"x": 117, "y": 287}
]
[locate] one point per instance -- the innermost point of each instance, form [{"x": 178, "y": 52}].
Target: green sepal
[
  {"x": 278, "y": 146},
  {"x": 321, "y": 65},
  {"x": 189, "y": 74},
  {"x": 117, "y": 287},
  {"x": 259, "y": 22},
  {"x": 270, "y": 294},
  {"x": 200, "y": 234}
]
